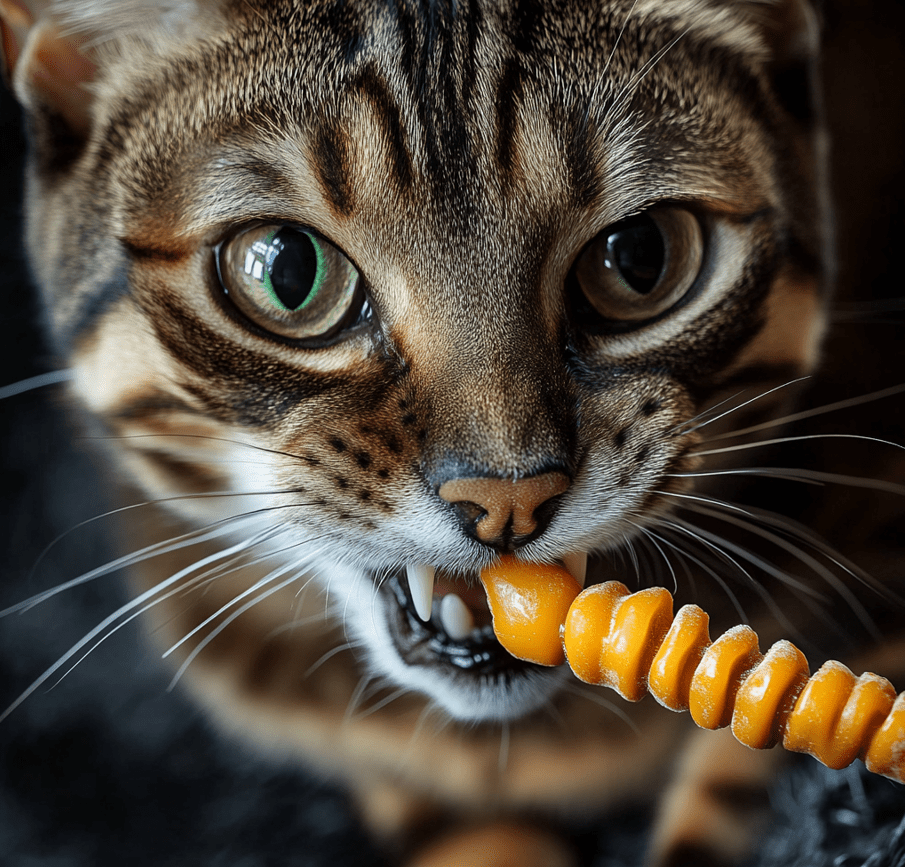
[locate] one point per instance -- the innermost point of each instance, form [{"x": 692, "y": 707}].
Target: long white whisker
[
  {"x": 803, "y": 557},
  {"x": 743, "y": 405},
  {"x": 122, "y": 610},
  {"x": 792, "y": 439},
  {"x": 325, "y": 657},
  {"x": 180, "y": 589},
  {"x": 262, "y": 582},
  {"x": 652, "y": 538},
  {"x": 801, "y": 475},
  {"x": 52, "y": 377},
  {"x": 220, "y": 627},
  {"x": 719, "y": 544},
  {"x": 193, "y": 537},
  {"x": 810, "y": 413},
  {"x": 687, "y": 531},
  {"x": 155, "y": 502}
]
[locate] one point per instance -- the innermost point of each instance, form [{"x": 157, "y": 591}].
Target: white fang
[
  {"x": 577, "y": 564},
  {"x": 421, "y": 586}
]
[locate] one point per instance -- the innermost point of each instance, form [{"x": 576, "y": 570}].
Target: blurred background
[{"x": 109, "y": 768}]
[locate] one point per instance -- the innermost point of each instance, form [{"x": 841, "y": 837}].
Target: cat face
[{"x": 381, "y": 294}]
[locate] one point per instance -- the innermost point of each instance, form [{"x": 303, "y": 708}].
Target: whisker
[
  {"x": 159, "y": 501},
  {"x": 744, "y": 404},
  {"x": 112, "y": 618},
  {"x": 792, "y": 439},
  {"x": 687, "y": 531},
  {"x": 806, "y": 594},
  {"x": 220, "y": 627},
  {"x": 205, "y": 437},
  {"x": 804, "y": 534},
  {"x": 179, "y": 590},
  {"x": 634, "y": 83},
  {"x": 355, "y": 699},
  {"x": 653, "y": 540},
  {"x": 326, "y": 657},
  {"x": 820, "y": 410},
  {"x": 600, "y": 699},
  {"x": 609, "y": 59},
  {"x": 52, "y": 377},
  {"x": 698, "y": 498},
  {"x": 815, "y": 477},
  {"x": 801, "y": 556},
  {"x": 267, "y": 579},
  {"x": 389, "y": 699},
  {"x": 193, "y": 537}
]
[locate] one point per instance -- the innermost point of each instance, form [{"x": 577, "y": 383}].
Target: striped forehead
[{"x": 453, "y": 114}]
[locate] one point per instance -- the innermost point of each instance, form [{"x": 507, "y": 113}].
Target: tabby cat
[{"x": 359, "y": 295}]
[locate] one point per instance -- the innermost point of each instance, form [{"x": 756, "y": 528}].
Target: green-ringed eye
[
  {"x": 290, "y": 282},
  {"x": 640, "y": 267}
]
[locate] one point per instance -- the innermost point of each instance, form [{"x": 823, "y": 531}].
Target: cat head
[{"x": 384, "y": 291}]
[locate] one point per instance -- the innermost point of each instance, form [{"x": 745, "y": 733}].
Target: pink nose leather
[{"x": 503, "y": 500}]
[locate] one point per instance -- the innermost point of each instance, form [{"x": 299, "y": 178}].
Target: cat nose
[{"x": 505, "y": 513}]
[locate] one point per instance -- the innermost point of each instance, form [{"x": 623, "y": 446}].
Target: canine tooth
[
  {"x": 577, "y": 564},
  {"x": 421, "y": 586},
  {"x": 455, "y": 618}
]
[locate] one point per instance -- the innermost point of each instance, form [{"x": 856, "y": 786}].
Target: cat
[{"x": 360, "y": 295}]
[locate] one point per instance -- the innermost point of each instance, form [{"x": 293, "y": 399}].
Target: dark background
[{"x": 108, "y": 768}]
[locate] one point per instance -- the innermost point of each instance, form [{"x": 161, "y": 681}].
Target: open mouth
[{"x": 443, "y": 619}]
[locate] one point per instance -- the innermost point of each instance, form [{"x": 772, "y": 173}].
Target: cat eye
[
  {"x": 290, "y": 282},
  {"x": 642, "y": 266}
]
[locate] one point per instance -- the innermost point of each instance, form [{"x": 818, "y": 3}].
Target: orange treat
[
  {"x": 640, "y": 622},
  {"x": 589, "y": 619},
  {"x": 886, "y": 752},
  {"x": 669, "y": 680},
  {"x": 529, "y": 602},
  {"x": 767, "y": 696},
  {"x": 631, "y": 643},
  {"x": 711, "y": 698},
  {"x": 837, "y": 713}
]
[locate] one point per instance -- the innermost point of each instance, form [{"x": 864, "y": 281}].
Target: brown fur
[{"x": 463, "y": 182}]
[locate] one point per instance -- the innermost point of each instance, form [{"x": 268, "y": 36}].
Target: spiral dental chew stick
[{"x": 632, "y": 643}]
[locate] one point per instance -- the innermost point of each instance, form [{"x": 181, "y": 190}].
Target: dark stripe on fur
[
  {"x": 94, "y": 304},
  {"x": 509, "y": 93},
  {"x": 151, "y": 406},
  {"x": 376, "y": 91},
  {"x": 237, "y": 384},
  {"x": 331, "y": 161},
  {"x": 148, "y": 252}
]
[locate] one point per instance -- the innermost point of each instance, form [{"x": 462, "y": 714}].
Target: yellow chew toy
[{"x": 632, "y": 643}]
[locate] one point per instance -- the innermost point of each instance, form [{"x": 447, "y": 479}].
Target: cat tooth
[
  {"x": 577, "y": 565},
  {"x": 421, "y": 586},
  {"x": 455, "y": 617}
]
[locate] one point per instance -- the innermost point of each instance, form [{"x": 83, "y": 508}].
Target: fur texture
[{"x": 550, "y": 160}]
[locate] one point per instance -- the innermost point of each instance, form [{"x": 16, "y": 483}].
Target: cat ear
[
  {"x": 789, "y": 33},
  {"x": 49, "y": 67}
]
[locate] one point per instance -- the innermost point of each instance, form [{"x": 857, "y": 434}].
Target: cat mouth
[
  {"x": 443, "y": 619},
  {"x": 456, "y": 634}
]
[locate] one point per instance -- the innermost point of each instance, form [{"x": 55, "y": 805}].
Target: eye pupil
[
  {"x": 637, "y": 253},
  {"x": 290, "y": 282},
  {"x": 289, "y": 264}
]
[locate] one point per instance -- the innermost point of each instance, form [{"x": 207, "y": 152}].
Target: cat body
[{"x": 546, "y": 241}]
